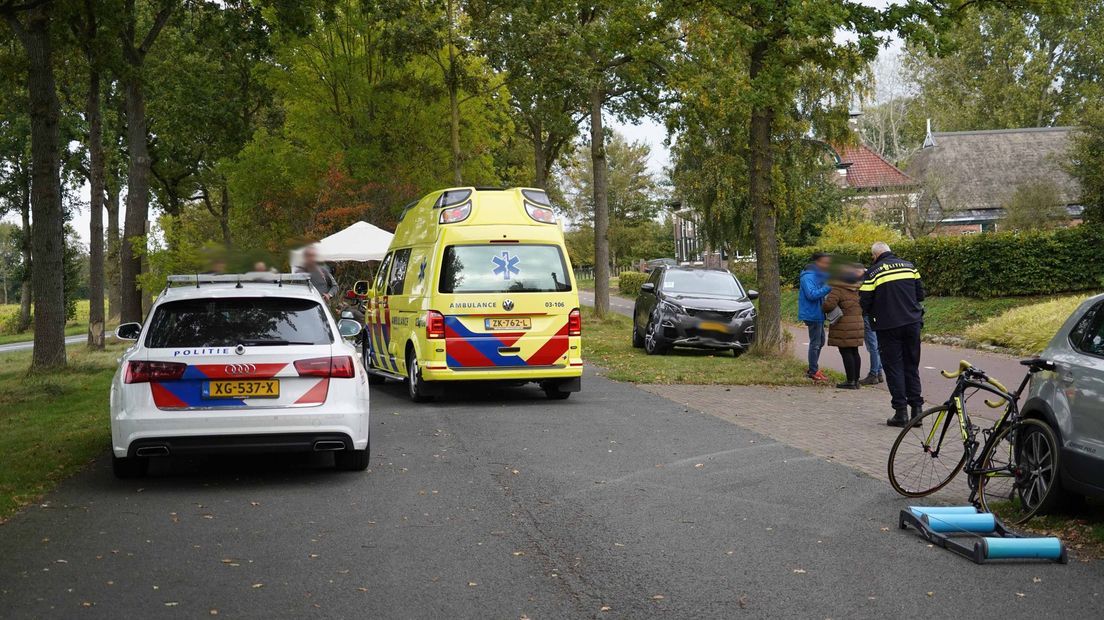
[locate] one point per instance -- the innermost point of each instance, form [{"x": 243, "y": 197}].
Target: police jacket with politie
[{"x": 892, "y": 293}]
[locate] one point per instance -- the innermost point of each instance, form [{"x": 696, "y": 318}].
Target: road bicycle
[{"x": 1018, "y": 464}]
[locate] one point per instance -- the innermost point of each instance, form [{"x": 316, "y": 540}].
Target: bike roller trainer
[{"x": 979, "y": 536}]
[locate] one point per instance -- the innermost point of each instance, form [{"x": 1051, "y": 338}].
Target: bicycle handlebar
[{"x": 963, "y": 365}]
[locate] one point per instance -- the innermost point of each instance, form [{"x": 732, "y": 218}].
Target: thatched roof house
[{"x": 971, "y": 175}]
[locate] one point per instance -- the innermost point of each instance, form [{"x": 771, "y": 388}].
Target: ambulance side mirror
[
  {"x": 362, "y": 287},
  {"x": 348, "y": 328}
]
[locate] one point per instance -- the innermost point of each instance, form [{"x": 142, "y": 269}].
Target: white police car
[{"x": 249, "y": 363}]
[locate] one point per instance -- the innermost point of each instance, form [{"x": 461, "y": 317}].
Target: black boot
[
  {"x": 848, "y": 385},
  {"x": 900, "y": 418},
  {"x": 871, "y": 379},
  {"x": 916, "y": 411}
]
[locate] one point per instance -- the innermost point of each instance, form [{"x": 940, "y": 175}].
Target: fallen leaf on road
[
  {"x": 604, "y": 608},
  {"x": 658, "y": 597},
  {"x": 931, "y": 593},
  {"x": 1036, "y": 580},
  {"x": 87, "y": 604},
  {"x": 699, "y": 465},
  {"x": 885, "y": 529},
  {"x": 1020, "y": 594},
  {"x": 799, "y": 571},
  {"x": 257, "y": 585},
  {"x": 171, "y": 603},
  {"x": 213, "y": 612},
  {"x": 514, "y": 472},
  {"x": 519, "y": 553},
  {"x": 472, "y": 584},
  {"x": 362, "y": 589},
  {"x": 254, "y": 503},
  {"x": 227, "y": 561}
]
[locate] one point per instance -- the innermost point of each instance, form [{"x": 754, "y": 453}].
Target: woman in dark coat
[{"x": 848, "y": 331}]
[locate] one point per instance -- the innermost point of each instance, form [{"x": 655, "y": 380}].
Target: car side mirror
[
  {"x": 128, "y": 331},
  {"x": 348, "y": 328},
  {"x": 362, "y": 287},
  {"x": 647, "y": 287},
  {"x": 753, "y": 294}
]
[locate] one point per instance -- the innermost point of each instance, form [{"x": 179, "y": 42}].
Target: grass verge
[
  {"x": 79, "y": 324},
  {"x": 52, "y": 425},
  {"x": 606, "y": 343},
  {"x": 945, "y": 316},
  {"x": 1026, "y": 329}
]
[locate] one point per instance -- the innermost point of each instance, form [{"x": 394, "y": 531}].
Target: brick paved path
[{"x": 843, "y": 426}]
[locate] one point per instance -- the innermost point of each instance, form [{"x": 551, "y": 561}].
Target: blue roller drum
[
  {"x": 942, "y": 510},
  {"x": 1010, "y": 548},
  {"x": 950, "y": 523}
]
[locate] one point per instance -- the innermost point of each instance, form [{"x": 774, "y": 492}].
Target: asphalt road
[
  {"x": 25, "y": 346},
  {"x": 499, "y": 503},
  {"x": 933, "y": 357}
]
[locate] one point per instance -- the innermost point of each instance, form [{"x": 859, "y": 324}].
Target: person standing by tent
[{"x": 320, "y": 277}]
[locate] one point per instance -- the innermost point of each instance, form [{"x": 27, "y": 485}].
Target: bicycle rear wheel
[
  {"x": 1018, "y": 477},
  {"x": 928, "y": 453}
]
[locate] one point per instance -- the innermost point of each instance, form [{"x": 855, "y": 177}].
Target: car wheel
[
  {"x": 129, "y": 467},
  {"x": 352, "y": 460},
  {"x": 653, "y": 342},
  {"x": 637, "y": 339},
  {"x": 737, "y": 352},
  {"x": 414, "y": 380}
]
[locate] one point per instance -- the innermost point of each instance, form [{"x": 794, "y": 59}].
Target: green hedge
[
  {"x": 629, "y": 282},
  {"x": 987, "y": 265}
]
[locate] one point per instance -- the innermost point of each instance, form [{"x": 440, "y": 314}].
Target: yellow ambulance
[{"x": 476, "y": 286}]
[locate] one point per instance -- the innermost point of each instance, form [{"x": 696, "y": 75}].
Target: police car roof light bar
[{"x": 256, "y": 277}]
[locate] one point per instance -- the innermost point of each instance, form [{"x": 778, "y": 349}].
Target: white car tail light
[
  {"x": 145, "y": 372},
  {"x": 338, "y": 367}
]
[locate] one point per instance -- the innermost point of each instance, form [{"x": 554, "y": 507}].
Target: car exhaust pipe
[
  {"x": 329, "y": 445},
  {"x": 152, "y": 451}
]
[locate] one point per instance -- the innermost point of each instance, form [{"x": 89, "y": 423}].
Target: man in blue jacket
[{"x": 813, "y": 288}]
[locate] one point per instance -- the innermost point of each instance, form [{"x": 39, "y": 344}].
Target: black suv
[{"x": 687, "y": 307}]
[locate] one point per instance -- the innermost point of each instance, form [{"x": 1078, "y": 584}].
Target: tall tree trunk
[
  {"x": 111, "y": 267},
  {"x": 47, "y": 270},
  {"x": 601, "y": 203},
  {"x": 454, "y": 112},
  {"x": 96, "y": 205},
  {"x": 768, "y": 328},
  {"x": 137, "y": 203},
  {"x": 540, "y": 164},
  {"x": 224, "y": 216},
  {"x": 28, "y": 260},
  {"x": 453, "y": 79}
]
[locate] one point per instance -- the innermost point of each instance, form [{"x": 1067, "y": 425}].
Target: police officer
[{"x": 891, "y": 297}]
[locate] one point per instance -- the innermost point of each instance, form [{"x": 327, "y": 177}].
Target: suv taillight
[
  {"x": 435, "y": 325},
  {"x": 145, "y": 372},
  {"x": 339, "y": 367},
  {"x": 575, "y": 323}
]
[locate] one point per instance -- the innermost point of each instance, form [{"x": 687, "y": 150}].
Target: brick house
[{"x": 968, "y": 176}]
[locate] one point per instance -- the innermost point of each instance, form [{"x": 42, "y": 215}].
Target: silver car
[{"x": 1069, "y": 395}]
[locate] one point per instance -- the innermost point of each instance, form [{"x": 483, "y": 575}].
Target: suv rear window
[
  {"x": 252, "y": 321},
  {"x": 504, "y": 269}
]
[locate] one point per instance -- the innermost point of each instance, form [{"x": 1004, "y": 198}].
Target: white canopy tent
[{"x": 360, "y": 242}]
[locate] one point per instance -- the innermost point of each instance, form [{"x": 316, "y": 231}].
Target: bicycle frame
[{"x": 956, "y": 405}]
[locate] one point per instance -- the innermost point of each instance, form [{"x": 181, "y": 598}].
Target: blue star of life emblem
[{"x": 505, "y": 265}]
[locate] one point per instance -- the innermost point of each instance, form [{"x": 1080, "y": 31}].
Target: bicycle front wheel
[
  {"x": 928, "y": 453},
  {"x": 1019, "y": 471}
]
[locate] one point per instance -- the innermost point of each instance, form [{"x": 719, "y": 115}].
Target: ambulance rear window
[{"x": 504, "y": 269}]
